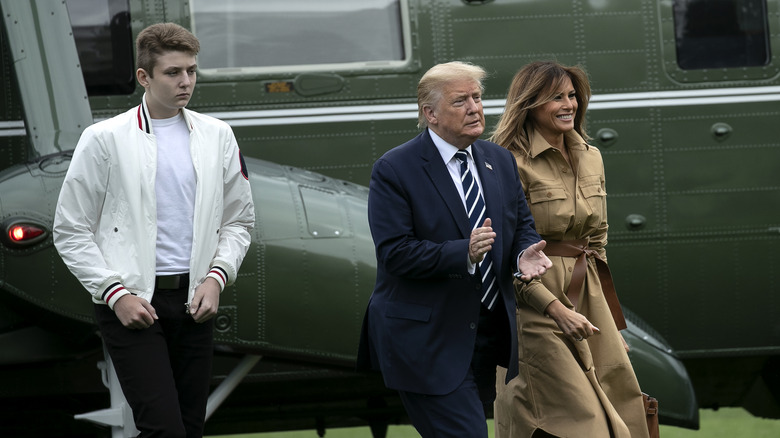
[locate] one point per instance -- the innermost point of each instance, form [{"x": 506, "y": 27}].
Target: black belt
[{"x": 179, "y": 281}]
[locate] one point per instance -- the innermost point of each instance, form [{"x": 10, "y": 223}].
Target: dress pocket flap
[
  {"x": 592, "y": 190},
  {"x": 545, "y": 194}
]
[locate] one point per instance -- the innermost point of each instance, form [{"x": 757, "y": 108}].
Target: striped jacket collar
[{"x": 144, "y": 120}]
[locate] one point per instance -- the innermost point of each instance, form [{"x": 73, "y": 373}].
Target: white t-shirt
[{"x": 175, "y": 189}]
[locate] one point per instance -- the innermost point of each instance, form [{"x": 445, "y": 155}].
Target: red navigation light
[
  {"x": 16, "y": 233},
  {"x": 22, "y": 232}
]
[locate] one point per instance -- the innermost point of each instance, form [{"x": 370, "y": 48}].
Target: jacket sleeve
[
  {"x": 409, "y": 243},
  {"x": 525, "y": 231},
  {"x": 535, "y": 294},
  {"x": 598, "y": 239},
  {"x": 76, "y": 220},
  {"x": 238, "y": 216}
]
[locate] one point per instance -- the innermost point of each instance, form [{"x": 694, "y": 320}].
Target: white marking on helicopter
[{"x": 361, "y": 113}]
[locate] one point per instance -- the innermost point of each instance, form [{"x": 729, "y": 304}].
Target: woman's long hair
[{"x": 533, "y": 86}]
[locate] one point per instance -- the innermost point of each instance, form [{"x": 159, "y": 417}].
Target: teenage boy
[{"x": 154, "y": 219}]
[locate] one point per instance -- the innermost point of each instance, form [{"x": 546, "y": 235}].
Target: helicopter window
[
  {"x": 104, "y": 42},
  {"x": 248, "y": 33},
  {"x": 721, "y": 33}
]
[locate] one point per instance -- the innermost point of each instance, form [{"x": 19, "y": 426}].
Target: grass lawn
[{"x": 724, "y": 423}]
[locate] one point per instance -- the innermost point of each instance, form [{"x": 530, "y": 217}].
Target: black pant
[
  {"x": 459, "y": 414},
  {"x": 490, "y": 349},
  {"x": 165, "y": 370},
  {"x": 462, "y": 412}
]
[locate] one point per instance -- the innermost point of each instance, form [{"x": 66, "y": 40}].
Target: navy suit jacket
[{"x": 420, "y": 325}]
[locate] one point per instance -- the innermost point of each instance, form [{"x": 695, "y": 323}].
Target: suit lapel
[
  {"x": 491, "y": 189},
  {"x": 443, "y": 184}
]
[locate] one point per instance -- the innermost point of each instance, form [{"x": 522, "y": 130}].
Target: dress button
[
  {"x": 569, "y": 268},
  {"x": 549, "y": 195},
  {"x": 472, "y": 326}
]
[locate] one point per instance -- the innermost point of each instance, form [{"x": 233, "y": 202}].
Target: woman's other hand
[{"x": 570, "y": 322}]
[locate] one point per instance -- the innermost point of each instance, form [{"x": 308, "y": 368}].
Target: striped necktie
[{"x": 475, "y": 207}]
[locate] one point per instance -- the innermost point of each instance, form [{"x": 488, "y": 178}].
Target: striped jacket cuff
[
  {"x": 113, "y": 293},
  {"x": 220, "y": 275}
]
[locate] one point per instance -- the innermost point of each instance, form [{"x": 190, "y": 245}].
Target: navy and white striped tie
[{"x": 475, "y": 207}]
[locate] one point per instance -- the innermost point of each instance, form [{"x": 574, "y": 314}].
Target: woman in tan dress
[{"x": 575, "y": 376}]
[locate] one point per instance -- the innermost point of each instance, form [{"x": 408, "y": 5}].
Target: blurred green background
[{"x": 723, "y": 423}]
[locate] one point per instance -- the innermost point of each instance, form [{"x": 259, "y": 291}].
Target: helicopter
[{"x": 317, "y": 91}]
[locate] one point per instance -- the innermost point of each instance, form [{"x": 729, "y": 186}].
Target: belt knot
[{"x": 580, "y": 249}]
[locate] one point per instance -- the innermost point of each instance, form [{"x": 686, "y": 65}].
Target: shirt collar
[
  {"x": 446, "y": 150},
  {"x": 572, "y": 139}
]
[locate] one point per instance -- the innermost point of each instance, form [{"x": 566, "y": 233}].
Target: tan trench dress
[{"x": 568, "y": 388}]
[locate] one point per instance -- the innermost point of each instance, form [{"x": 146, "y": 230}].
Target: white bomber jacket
[{"x": 105, "y": 223}]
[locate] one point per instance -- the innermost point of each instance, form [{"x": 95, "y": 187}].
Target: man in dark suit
[{"x": 442, "y": 316}]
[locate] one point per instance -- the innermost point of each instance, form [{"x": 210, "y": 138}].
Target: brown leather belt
[{"x": 579, "y": 248}]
